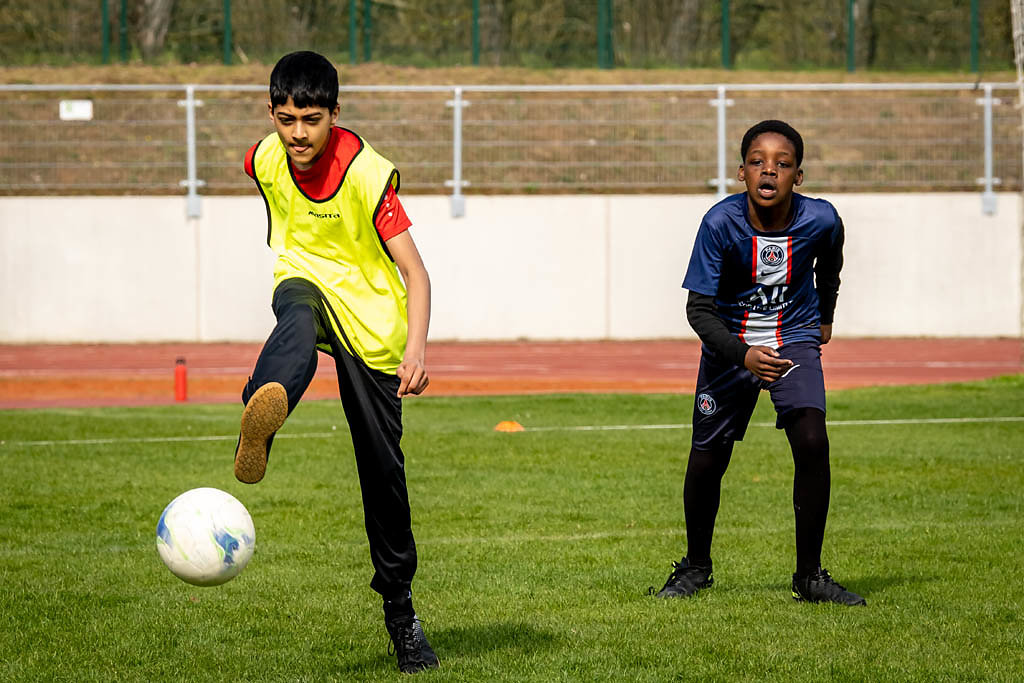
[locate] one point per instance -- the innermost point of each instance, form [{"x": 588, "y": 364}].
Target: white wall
[
  {"x": 127, "y": 269},
  {"x": 930, "y": 264}
]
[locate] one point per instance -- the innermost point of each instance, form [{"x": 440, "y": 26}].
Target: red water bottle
[{"x": 180, "y": 381}]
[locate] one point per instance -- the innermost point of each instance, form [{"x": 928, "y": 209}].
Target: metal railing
[{"x": 479, "y": 139}]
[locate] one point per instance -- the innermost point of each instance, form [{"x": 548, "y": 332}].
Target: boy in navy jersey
[{"x": 763, "y": 280}]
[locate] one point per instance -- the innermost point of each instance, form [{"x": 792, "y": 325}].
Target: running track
[{"x": 33, "y": 376}]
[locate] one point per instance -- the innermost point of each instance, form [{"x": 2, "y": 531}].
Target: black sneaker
[
  {"x": 821, "y": 587},
  {"x": 264, "y": 414},
  {"x": 409, "y": 645},
  {"x": 685, "y": 580}
]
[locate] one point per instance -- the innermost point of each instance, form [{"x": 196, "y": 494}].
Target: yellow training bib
[{"x": 335, "y": 245}]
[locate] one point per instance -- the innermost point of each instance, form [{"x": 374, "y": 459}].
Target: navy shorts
[{"x": 726, "y": 393}]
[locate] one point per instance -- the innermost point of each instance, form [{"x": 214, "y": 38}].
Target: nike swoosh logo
[{"x": 791, "y": 369}]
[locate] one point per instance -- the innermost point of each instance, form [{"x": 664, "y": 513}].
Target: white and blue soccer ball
[{"x": 205, "y": 537}]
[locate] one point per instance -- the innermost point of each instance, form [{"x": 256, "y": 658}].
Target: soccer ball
[{"x": 205, "y": 537}]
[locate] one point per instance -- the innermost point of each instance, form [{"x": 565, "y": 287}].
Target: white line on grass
[
  {"x": 831, "y": 423},
  {"x": 578, "y": 428},
  {"x": 759, "y": 530},
  {"x": 936, "y": 420},
  {"x": 104, "y": 413},
  {"x": 158, "y": 439}
]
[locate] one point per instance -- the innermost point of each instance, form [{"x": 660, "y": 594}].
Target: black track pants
[{"x": 374, "y": 414}]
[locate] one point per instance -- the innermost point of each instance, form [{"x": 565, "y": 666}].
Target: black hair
[
  {"x": 307, "y": 77},
  {"x": 773, "y": 126}
]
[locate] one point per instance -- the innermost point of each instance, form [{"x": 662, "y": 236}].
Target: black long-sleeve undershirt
[
  {"x": 826, "y": 275},
  {"x": 702, "y": 314}
]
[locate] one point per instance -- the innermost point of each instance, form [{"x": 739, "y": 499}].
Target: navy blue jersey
[{"x": 763, "y": 282}]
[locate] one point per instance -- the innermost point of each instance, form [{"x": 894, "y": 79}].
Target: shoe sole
[{"x": 264, "y": 414}]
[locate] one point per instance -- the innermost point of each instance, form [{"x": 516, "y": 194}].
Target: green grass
[{"x": 536, "y": 548}]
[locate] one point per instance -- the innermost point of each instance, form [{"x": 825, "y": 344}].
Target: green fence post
[
  {"x": 476, "y": 32},
  {"x": 726, "y": 56},
  {"x": 367, "y": 31},
  {"x": 609, "y": 43},
  {"x": 227, "y": 31},
  {"x": 851, "y": 37},
  {"x": 605, "y": 53},
  {"x": 123, "y": 31},
  {"x": 105, "y": 31},
  {"x": 975, "y": 30},
  {"x": 353, "y": 43}
]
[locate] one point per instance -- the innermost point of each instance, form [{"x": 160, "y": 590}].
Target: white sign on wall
[{"x": 76, "y": 110}]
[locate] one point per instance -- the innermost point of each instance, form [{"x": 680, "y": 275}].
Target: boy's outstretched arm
[{"x": 412, "y": 371}]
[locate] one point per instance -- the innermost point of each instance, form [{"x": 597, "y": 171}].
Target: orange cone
[{"x": 508, "y": 426}]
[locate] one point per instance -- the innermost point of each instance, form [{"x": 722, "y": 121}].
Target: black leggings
[
  {"x": 805, "y": 429},
  {"x": 374, "y": 414}
]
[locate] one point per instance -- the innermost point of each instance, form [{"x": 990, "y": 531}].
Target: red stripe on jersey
[
  {"x": 778, "y": 328},
  {"x": 789, "y": 265},
  {"x": 743, "y": 325},
  {"x": 753, "y": 260}
]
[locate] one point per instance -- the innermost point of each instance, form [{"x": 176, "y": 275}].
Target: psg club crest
[
  {"x": 772, "y": 255},
  {"x": 706, "y": 404}
]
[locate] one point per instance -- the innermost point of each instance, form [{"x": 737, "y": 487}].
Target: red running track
[{"x": 117, "y": 374}]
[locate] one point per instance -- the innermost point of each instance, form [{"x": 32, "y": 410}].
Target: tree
[
  {"x": 153, "y": 25},
  {"x": 683, "y": 30}
]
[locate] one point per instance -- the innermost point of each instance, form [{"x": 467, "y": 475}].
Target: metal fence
[{"x": 457, "y": 140}]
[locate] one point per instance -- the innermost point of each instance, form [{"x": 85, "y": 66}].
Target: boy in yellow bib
[{"x": 348, "y": 281}]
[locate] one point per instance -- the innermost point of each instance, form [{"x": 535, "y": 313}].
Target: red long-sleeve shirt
[{"x": 323, "y": 178}]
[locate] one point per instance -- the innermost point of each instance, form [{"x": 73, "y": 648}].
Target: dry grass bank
[{"x": 372, "y": 74}]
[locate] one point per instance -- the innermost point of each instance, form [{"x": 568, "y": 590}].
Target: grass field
[{"x": 536, "y": 548}]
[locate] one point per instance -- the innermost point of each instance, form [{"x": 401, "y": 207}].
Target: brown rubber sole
[{"x": 263, "y": 416}]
